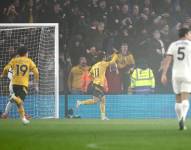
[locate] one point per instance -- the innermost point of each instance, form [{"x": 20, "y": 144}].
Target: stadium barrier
[{"x": 154, "y": 106}]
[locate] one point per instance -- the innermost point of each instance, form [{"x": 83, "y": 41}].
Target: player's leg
[
  {"x": 102, "y": 109},
  {"x": 185, "y": 90},
  {"x": 99, "y": 93},
  {"x": 185, "y": 104},
  {"x": 20, "y": 93},
  {"x": 94, "y": 100},
  {"x": 9, "y": 104},
  {"x": 178, "y": 104},
  {"x": 179, "y": 111},
  {"x": 7, "y": 109},
  {"x": 178, "y": 107}
]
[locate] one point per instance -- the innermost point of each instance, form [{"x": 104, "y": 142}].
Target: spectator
[
  {"x": 76, "y": 48},
  {"x": 135, "y": 16},
  {"x": 125, "y": 64},
  {"x": 142, "y": 79},
  {"x": 156, "y": 51},
  {"x": 97, "y": 37},
  {"x": 113, "y": 78},
  {"x": 101, "y": 24},
  {"x": 75, "y": 77},
  {"x": 92, "y": 55},
  {"x": 11, "y": 15}
]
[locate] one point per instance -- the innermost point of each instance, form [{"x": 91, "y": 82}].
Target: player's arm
[
  {"x": 6, "y": 69},
  {"x": 165, "y": 66},
  {"x": 91, "y": 74},
  {"x": 36, "y": 74},
  {"x": 114, "y": 59},
  {"x": 35, "y": 71}
]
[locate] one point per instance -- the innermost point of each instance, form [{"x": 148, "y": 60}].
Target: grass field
[{"x": 94, "y": 134}]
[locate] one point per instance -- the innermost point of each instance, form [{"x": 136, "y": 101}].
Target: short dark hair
[
  {"x": 22, "y": 50},
  {"x": 182, "y": 32}
]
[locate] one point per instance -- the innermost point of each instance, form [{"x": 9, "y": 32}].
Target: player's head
[
  {"x": 22, "y": 51},
  {"x": 184, "y": 33}
]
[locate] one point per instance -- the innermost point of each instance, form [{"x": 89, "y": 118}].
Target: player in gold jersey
[
  {"x": 21, "y": 67},
  {"x": 97, "y": 73}
]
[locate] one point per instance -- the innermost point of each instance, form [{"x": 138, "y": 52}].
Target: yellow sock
[
  {"x": 88, "y": 102},
  {"x": 102, "y": 107},
  {"x": 21, "y": 111}
]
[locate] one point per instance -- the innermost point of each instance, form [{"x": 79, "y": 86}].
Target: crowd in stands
[{"x": 141, "y": 30}]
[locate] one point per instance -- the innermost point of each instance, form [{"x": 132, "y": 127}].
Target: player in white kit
[
  {"x": 180, "y": 53},
  {"x": 10, "y": 103}
]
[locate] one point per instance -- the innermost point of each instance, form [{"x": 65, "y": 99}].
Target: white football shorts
[{"x": 181, "y": 85}]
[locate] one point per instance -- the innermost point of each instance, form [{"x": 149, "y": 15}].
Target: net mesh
[{"x": 40, "y": 40}]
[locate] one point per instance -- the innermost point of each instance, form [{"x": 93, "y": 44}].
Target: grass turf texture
[{"x": 92, "y": 134}]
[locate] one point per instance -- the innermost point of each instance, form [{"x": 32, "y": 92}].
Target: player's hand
[
  {"x": 36, "y": 87},
  {"x": 164, "y": 79}
]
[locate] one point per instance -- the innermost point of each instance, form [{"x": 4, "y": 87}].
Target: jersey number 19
[{"x": 21, "y": 69}]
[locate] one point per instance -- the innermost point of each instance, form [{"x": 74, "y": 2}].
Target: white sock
[
  {"x": 8, "y": 107},
  {"x": 185, "y": 106},
  {"x": 102, "y": 115},
  {"x": 179, "y": 110}
]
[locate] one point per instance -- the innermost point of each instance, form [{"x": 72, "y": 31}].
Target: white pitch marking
[{"x": 92, "y": 145}]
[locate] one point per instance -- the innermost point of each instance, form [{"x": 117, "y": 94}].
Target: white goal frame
[{"x": 21, "y": 26}]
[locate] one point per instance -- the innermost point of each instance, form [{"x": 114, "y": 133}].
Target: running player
[
  {"x": 21, "y": 67},
  {"x": 97, "y": 73}
]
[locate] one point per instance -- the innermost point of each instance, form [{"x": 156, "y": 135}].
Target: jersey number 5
[
  {"x": 181, "y": 53},
  {"x": 21, "y": 69}
]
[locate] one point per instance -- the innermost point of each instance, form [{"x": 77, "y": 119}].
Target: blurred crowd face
[
  {"x": 94, "y": 2},
  {"x": 156, "y": 35},
  {"x": 124, "y": 49},
  {"x": 135, "y": 10},
  {"x": 147, "y": 3},
  {"x": 57, "y": 8},
  {"x": 146, "y": 11},
  {"x": 102, "y": 4},
  {"x": 83, "y": 61},
  {"x": 12, "y": 10},
  {"x": 101, "y": 27},
  {"x": 165, "y": 29},
  {"x": 93, "y": 50},
  {"x": 125, "y": 9}
]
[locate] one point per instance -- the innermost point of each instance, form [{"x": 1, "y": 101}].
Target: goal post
[{"x": 42, "y": 41}]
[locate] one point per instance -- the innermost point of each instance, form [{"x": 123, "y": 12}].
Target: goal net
[{"x": 42, "y": 43}]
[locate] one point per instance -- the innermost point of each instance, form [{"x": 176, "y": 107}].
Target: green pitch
[{"x": 94, "y": 135}]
